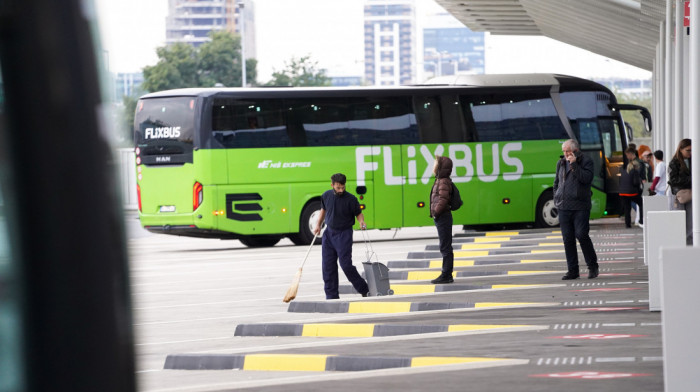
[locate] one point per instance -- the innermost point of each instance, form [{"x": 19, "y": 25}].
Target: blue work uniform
[{"x": 337, "y": 242}]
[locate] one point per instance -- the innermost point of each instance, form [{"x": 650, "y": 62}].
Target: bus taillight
[
  {"x": 138, "y": 196},
  {"x": 198, "y": 195}
]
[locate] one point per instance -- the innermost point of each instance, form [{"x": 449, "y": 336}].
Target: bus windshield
[{"x": 164, "y": 130}]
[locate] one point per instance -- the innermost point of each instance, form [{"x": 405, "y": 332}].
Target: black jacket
[
  {"x": 572, "y": 188},
  {"x": 631, "y": 179},
  {"x": 679, "y": 177}
]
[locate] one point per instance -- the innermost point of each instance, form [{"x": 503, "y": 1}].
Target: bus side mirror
[{"x": 642, "y": 110}]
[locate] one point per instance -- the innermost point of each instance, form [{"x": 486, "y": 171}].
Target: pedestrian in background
[
  {"x": 679, "y": 178},
  {"x": 659, "y": 184},
  {"x": 442, "y": 215},
  {"x": 631, "y": 187},
  {"x": 648, "y": 171},
  {"x": 339, "y": 209},
  {"x": 572, "y": 197}
]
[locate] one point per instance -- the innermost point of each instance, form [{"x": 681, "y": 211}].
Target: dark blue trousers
[
  {"x": 337, "y": 249},
  {"x": 443, "y": 223},
  {"x": 575, "y": 226}
]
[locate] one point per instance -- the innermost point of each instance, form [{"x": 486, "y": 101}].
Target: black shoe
[
  {"x": 443, "y": 278},
  {"x": 592, "y": 272},
  {"x": 365, "y": 294},
  {"x": 569, "y": 277}
]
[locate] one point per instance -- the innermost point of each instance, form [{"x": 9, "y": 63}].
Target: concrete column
[
  {"x": 668, "y": 71},
  {"x": 666, "y": 229},
  {"x": 679, "y": 81},
  {"x": 680, "y": 268},
  {"x": 694, "y": 116}
]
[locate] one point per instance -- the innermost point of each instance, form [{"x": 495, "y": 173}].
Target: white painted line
[
  {"x": 616, "y": 359},
  {"x": 619, "y": 324}
]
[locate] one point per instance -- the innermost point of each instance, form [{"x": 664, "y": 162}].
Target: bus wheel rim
[{"x": 550, "y": 213}]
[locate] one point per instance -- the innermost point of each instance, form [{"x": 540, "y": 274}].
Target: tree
[
  {"x": 176, "y": 68},
  {"x": 182, "y": 65},
  {"x": 300, "y": 72}
]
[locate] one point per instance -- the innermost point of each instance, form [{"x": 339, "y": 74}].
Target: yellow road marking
[
  {"x": 550, "y": 244},
  {"x": 544, "y": 251},
  {"x": 471, "y": 253},
  {"x": 424, "y": 275},
  {"x": 433, "y": 361},
  {"x": 481, "y": 246},
  {"x": 285, "y": 362},
  {"x": 502, "y": 233},
  {"x": 379, "y": 307},
  {"x": 491, "y": 239},
  {"x": 338, "y": 330}
]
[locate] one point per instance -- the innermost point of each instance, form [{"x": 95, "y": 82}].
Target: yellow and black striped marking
[
  {"x": 364, "y": 330},
  {"x": 308, "y": 362},
  {"x": 463, "y": 263},
  {"x": 442, "y": 288},
  {"x": 394, "y": 307},
  {"x": 429, "y": 275}
]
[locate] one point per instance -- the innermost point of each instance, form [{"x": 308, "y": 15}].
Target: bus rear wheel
[
  {"x": 547, "y": 213},
  {"x": 307, "y": 223},
  {"x": 260, "y": 241}
]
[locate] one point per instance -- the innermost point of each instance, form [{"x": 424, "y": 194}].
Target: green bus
[{"x": 252, "y": 163}]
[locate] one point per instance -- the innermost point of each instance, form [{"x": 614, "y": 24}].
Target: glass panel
[
  {"x": 165, "y": 130},
  {"x": 251, "y": 123},
  {"x": 506, "y": 117},
  {"x": 11, "y": 363}
]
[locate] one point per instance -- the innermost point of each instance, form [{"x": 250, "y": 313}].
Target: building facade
[
  {"x": 191, "y": 21},
  {"x": 389, "y": 34}
]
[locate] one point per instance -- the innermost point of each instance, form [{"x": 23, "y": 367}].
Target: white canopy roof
[{"x": 624, "y": 30}]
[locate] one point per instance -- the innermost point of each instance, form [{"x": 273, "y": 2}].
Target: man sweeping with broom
[{"x": 339, "y": 209}]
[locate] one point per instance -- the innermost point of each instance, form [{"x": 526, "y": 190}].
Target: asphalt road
[{"x": 209, "y": 316}]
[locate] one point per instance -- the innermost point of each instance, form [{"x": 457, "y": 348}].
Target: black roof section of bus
[{"x": 457, "y": 82}]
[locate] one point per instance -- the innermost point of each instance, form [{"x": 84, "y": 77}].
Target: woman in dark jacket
[
  {"x": 631, "y": 187},
  {"x": 441, "y": 214},
  {"x": 679, "y": 178}
]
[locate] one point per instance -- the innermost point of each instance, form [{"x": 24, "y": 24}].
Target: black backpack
[{"x": 455, "y": 198}]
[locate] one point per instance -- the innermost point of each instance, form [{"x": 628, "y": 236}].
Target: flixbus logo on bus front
[{"x": 461, "y": 155}]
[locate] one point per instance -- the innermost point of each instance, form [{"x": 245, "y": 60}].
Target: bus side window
[
  {"x": 453, "y": 121},
  {"x": 427, "y": 110}
]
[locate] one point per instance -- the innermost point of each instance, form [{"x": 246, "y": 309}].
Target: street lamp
[{"x": 241, "y": 17}]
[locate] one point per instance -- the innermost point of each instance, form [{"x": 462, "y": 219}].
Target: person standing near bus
[
  {"x": 572, "y": 197},
  {"x": 679, "y": 178},
  {"x": 442, "y": 215},
  {"x": 659, "y": 184},
  {"x": 631, "y": 178},
  {"x": 339, "y": 209}
]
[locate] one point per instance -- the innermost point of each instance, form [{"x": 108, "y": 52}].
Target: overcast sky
[{"x": 331, "y": 32}]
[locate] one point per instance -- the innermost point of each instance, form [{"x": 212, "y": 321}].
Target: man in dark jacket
[
  {"x": 442, "y": 215},
  {"x": 339, "y": 209},
  {"x": 572, "y": 197}
]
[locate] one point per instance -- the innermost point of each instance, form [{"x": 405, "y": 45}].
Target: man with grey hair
[{"x": 572, "y": 197}]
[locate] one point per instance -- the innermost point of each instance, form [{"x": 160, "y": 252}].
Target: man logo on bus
[
  {"x": 461, "y": 155},
  {"x": 162, "y": 133}
]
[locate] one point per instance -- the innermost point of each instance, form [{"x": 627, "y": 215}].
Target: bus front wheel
[
  {"x": 307, "y": 223},
  {"x": 547, "y": 213},
  {"x": 261, "y": 241}
]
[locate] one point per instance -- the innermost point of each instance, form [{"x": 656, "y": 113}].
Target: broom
[{"x": 292, "y": 292}]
